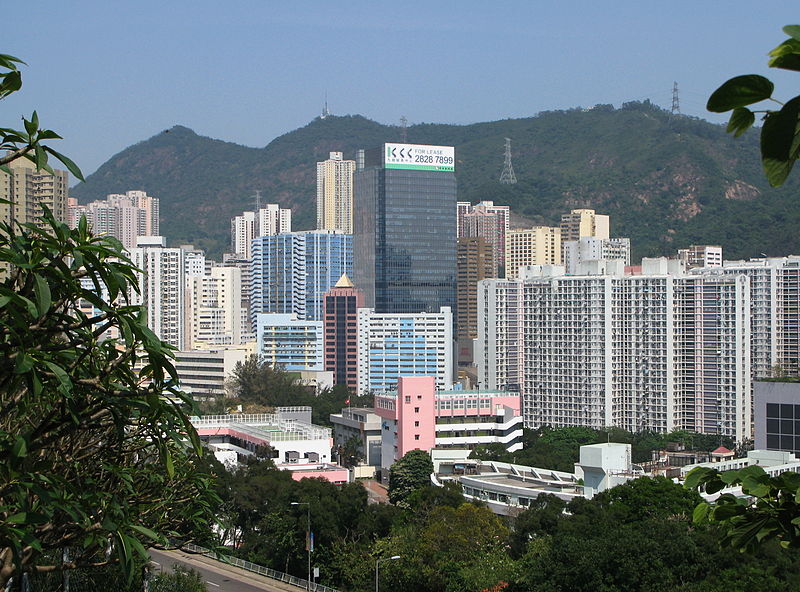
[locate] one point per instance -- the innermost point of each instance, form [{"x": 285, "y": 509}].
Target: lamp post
[
  {"x": 378, "y": 562},
  {"x": 308, "y": 538}
]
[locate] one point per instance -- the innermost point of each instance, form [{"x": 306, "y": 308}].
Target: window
[
  {"x": 416, "y": 436},
  {"x": 416, "y": 424},
  {"x": 408, "y": 398},
  {"x": 416, "y": 409}
]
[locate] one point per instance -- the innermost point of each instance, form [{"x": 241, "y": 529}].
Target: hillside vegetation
[{"x": 667, "y": 181}]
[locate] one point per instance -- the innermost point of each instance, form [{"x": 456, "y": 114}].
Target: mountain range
[{"x": 666, "y": 180}]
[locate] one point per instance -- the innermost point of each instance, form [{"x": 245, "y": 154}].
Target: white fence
[{"x": 260, "y": 569}]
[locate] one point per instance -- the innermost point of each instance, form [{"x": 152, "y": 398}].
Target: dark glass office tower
[{"x": 404, "y": 220}]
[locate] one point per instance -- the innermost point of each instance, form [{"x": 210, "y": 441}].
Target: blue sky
[{"x": 107, "y": 74}]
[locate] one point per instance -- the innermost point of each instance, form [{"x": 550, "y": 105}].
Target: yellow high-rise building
[
  {"x": 580, "y": 223},
  {"x": 29, "y": 189},
  {"x": 540, "y": 245},
  {"x": 335, "y": 193}
]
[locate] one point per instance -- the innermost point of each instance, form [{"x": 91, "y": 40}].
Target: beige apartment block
[
  {"x": 581, "y": 223},
  {"x": 29, "y": 190},
  {"x": 335, "y": 193},
  {"x": 540, "y": 245}
]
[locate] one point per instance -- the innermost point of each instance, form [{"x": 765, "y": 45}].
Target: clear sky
[{"x": 109, "y": 73}]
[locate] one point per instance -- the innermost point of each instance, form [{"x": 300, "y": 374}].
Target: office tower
[
  {"x": 474, "y": 262},
  {"x": 540, "y": 245},
  {"x": 335, "y": 193},
  {"x": 775, "y": 311},
  {"x": 655, "y": 351},
  {"x": 214, "y": 308},
  {"x": 267, "y": 221},
  {"x": 589, "y": 248},
  {"x": 701, "y": 256},
  {"x": 580, "y": 223},
  {"x": 162, "y": 285},
  {"x": 29, "y": 190},
  {"x": 340, "y": 314},
  {"x": 391, "y": 345},
  {"x": 125, "y": 216},
  {"x": 419, "y": 417},
  {"x": 284, "y": 341},
  {"x": 489, "y": 221},
  {"x": 291, "y": 272},
  {"x": 462, "y": 209},
  {"x": 405, "y": 228}
]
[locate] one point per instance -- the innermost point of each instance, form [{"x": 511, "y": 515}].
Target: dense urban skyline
[{"x": 108, "y": 76}]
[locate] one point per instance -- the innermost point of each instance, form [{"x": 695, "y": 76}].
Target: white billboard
[{"x": 419, "y": 157}]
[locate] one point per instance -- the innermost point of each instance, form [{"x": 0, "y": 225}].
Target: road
[{"x": 218, "y": 576}]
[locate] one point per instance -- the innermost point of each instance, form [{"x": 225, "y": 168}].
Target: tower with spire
[{"x": 340, "y": 314}]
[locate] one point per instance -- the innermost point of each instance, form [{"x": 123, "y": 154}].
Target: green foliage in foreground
[
  {"x": 780, "y": 132},
  {"x": 408, "y": 474},
  {"x": 772, "y": 512}
]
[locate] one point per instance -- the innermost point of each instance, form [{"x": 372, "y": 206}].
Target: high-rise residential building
[
  {"x": 267, "y": 221},
  {"x": 417, "y": 416},
  {"x": 391, "y": 345},
  {"x": 162, "y": 284},
  {"x": 340, "y": 314},
  {"x": 29, "y": 189},
  {"x": 291, "y": 272},
  {"x": 474, "y": 262},
  {"x": 125, "y": 216},
  {"x": 214, "y": 308},
  {"x": 589, "y": 248},
  {"x": 657, "y": 351},
  {"x": 335, "y": 193},
  {"x": 489, "y": 221},
  {"x": 245, "y": 268},
  {"x": 405, "y": 228},
  {"x": 583, "y": 222},
  {"x": 775, "y": 311},
  {"x": 540, "y": 245},
  {"x": 701, "y": 256},
  {"x": 283, "y": 340}
]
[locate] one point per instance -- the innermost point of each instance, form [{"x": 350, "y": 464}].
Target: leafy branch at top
[
  {"x": 27, "y": 142},
  {"x": 780, "y": 133}
]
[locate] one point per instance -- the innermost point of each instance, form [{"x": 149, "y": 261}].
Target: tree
[
  {"x": 94, "y": 455},
  {"x": 181, "y": 579},
  {"x": 408, "y": 474},
  {"x": 780, "y": 133},
  {"x": 772, "y": 512}
]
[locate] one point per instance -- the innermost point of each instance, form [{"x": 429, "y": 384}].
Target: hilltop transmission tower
[
  {"x": 507, "y": 177},
  {"x": 676, "y": 103},
  {"x": 257, "y": 198},
  {"x": 404, "y": 129}
]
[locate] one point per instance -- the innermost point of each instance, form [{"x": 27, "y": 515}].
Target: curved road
[{"x": 218, "y": 576}]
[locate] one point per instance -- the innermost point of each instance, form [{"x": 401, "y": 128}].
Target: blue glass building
[
  {"x": 404, "y": 222},
  {"x": 291, "y": 272}
]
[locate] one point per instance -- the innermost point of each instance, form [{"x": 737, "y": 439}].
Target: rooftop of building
[{"x": 267, "y": 427}]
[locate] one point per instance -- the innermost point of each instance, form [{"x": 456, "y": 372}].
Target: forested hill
[{"x": 667, "y": 181}]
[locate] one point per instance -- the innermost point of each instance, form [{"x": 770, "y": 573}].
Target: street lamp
[
  {"x": 308, "y": 538},
  {"x": 378, "y": 562}
]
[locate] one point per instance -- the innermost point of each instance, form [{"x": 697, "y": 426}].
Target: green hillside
[{"x": 667, "y": 181}]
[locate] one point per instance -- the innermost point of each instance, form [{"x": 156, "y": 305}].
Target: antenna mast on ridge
[
  {"x": 325, "y": 111},
  {"x": 404, "y": 129},
  {"x": 507, "y": 177},
  {"x": 257, "y": 198},
  {"x": 676, "y": 104}
]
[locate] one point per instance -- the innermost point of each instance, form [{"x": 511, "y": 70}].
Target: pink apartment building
[{"x": 418, "y": 416}]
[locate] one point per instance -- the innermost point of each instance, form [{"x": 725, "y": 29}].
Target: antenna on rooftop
[
  {"x": 507, "y": 177},
  {"x": 676, "y": 103},
  {"x": 404, "y": 129}
]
